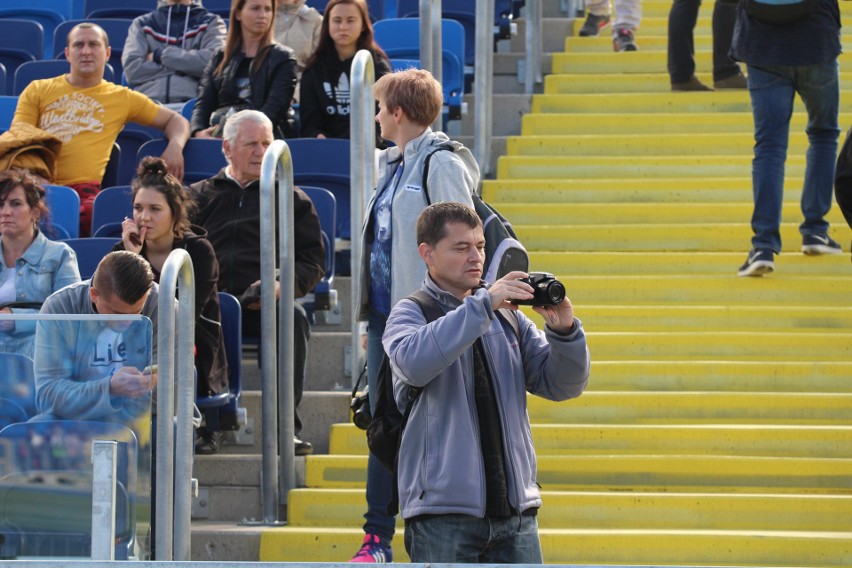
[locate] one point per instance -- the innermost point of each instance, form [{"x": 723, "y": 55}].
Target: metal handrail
[
  {"x": 431, "y": 43},
  {"x": 277, "y": 164},
  {"x": 363, "y": 175},
  {"x": 175, "y": 450},
  {"x": 483, "y": 84},
  {"x": 532, "y": 43}
]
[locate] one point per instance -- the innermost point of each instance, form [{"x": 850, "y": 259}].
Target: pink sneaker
[{"x": 373, "y": 551}]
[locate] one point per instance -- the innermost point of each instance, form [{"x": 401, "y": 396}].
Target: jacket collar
[{"x": 36, "y": 250}]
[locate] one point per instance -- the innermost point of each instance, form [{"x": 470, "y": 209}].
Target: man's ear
[
  {"x": 425, "y": 252},
  {"x": 226, "y": 150},
  {"x": 93, "y": 294}
]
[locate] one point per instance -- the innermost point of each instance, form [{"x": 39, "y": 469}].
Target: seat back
[
  {"x": 130, "y": 139},
  {"x": 31, "y": 71},
  {"x": 220, "y": 7},
  {"x": 115, "y": 28},
  {"x": 202, "y": 157},
  {"x": 462, "y": 11},
  {"x": 7, "y": 111},
  {"x": 111, "y": 171},
  {"x": 232, "y": 332},
  {"x": 90, "y": 251},
  {"x": 116, "y": 8},
  {"x": 18, "y": 383},
  {"x": 44, "y": 13},
  {"x": 64, "y": 205},
  {"x": 111, "y": 205},
  {"x": 326, "y": 206},
  {"x": 21, "y": 40},
  {"x": 187, "y": 108},
  {"x": 400, "y": 39},
  {"x": 325, "y": 163},
  {"x": 2, "y": 80}
]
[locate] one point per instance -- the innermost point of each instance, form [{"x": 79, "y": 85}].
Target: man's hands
[
  {"x": 559, "y": 318},
  {"x": 206, "y": 133},
  {"x": 173, "y": 156},
  {"x": 130, "y": 382},
  {"x": 256, "y": 305}
]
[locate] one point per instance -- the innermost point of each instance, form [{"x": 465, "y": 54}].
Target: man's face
[
  {"x": 245, "y": 152},
  {"x": 86, "y": 52},
  {"x": 109, "y": 304},
  {"x": 455, "y": 262}
]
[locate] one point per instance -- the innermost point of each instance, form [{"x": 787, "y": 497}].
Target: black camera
[{"x": 547, "y": 290}]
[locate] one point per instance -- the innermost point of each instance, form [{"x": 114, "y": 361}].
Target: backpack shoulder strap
[{"x": 448, "y": 146}]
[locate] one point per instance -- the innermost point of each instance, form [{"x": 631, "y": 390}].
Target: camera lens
[{"x": 555, "y": 292}]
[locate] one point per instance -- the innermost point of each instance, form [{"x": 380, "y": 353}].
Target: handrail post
[
  {"x": 431, "y": 43},
  {"x": 363, "y": 174},
  {"x": 425, "y": 18},
  {"x": 483, "y": 84},
  {"x": 532, "y": 43},
  {"x": 174, "y": 452}
]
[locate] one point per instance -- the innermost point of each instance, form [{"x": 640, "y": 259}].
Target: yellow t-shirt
[{"x": 86, "y": 120}]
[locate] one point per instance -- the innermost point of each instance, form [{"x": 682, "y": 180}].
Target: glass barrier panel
[{"x": 89, "y": 378}]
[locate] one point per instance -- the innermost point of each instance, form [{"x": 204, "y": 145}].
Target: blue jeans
[
  {"x": 471, "y": 540},
  {"x": 772, "y": 90},
  {"x": 379, "y": 481}
]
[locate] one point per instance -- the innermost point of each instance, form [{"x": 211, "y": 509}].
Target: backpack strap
[{"x": 448, "y": 146}]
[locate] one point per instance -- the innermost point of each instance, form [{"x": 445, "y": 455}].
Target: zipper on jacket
[{"x": 235, "y": 226}]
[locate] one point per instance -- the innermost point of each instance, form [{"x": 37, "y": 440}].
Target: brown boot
[
  {"x": 737, "y": 81},
  {"x": 692, "y": 85}
]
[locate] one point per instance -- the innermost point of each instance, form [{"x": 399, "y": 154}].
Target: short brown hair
[
  {"x": 415, "y": 91},
  {"x": 152, "y": 173},
  {"x": 124, "y": 275},
  {"x": 33, "y": 191},
  {"x": 432, "y": 222},
  {"x": 87, "y": 26}
]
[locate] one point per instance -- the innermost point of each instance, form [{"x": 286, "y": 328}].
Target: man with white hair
[{"x": 229, "y": 209}]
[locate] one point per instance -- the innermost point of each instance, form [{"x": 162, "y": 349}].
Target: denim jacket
[{"x": 44, "y": 268}]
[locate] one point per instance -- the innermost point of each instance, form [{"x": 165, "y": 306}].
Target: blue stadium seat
[
  {"x": 220, "y": 7},
  {"x": 227, "y": 402},
  {"x": 46, "y": 69},
  {"x": 111, "y": 172},
  {"x": 48, "y": 13},
  {"x": 322, "y": 296},
  {"x": 400, "y": 39},
  {"x": 202, "y": 157},
  {"x": 64, "y": 204},
  {"x": 7, "y": 111},
  {"x": 128, "y": 9},
  {"x": 20, "y": 41},
  {"x": 130, "y": 139},
  {"x": 90, "y": 251},
  {"x": 376, "y": 8},
  {"x": 111, "y": 206},
  {"x": 18, "y": 384},
  {"x": 115, "y": 28},
  {"x": 187, "y": 108},
  {"x": 2, "y": 80}
]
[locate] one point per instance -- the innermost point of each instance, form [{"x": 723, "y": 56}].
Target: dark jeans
[
  {"x": 301, "y": 335},
  {"x": 682, "y": 18}
]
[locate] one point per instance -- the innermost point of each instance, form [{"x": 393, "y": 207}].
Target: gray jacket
[
  {"x": 440, "y": 460},
  {"x": 453, "y": 176},
  {"x": 73, "y": 367},
  {"x": 182, "y": 40}
]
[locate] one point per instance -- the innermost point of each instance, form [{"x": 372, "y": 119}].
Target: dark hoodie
[
  {"x": 181, "y": 39},
  {"x": 210, "y": 362}
]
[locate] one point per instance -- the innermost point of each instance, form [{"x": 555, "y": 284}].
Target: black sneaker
[
  {"x": 623, "y": 40},
  {"x": 302, "y": 448},
  {"x": 820, "y": 244},
  {"x": 758, "y": 263},
  {"x": 593, "y": 25},
  {"x": 208, "y": 443}
]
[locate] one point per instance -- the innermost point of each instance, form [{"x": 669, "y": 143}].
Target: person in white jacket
[{"x": 166, "y": 50}]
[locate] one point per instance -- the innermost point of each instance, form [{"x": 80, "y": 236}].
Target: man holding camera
[{"x": 467, "y": 472}]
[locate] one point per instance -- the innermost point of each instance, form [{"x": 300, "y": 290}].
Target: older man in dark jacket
[{"x": 229, "y": 209}]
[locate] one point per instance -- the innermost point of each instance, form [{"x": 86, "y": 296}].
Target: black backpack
[
  {"x": 384, "y": 434},
  {"x": 780, "y": 11},
  {"x": 504, "y": 253}
]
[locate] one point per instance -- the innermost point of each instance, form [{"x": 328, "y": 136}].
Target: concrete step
[
  {"x": 666, "y": 264},
  {"x": 680, "y": 237},
  {"x": 644, "y": 213},
  {"x": 600, "y": 546},
  {"x": 648, "y": 102},
  {"x": 609, "y": 189},
  {"x": 704, "y": 168},
  {"x": 656, "y": 144},
  {"x": 779, "y": 290},
  {"x": 621, "y": 439},
  {"x": 668, "y": 472},
  {"x": 601, "y": 510}
]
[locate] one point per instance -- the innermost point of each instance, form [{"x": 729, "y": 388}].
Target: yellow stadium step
[
  {"x": 594, "y": 167},
  {"x": 657, "y": 25},
  {"x": 724, "y": 291},
  {"x": 665, "y": 264},
  {"x": 733, "y": 376},
  {"x": 658, "y": 81},
  {"x": 585, "y": 510},
  {"x": 613, "y": 189},
  {"x": 621, "y": 439},
  {"x": 657, "y": 144},
  {"x": 596, "y": 123},
  {"x": 655, "y": 103},
  {"x": 669, "y": 472},
  {"x": 651, "y": 213},
  {"x": 601, "y": 546},
  {"x": 670, "y": 237}
]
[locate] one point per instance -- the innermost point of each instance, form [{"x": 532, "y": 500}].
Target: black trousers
[{"x": 682, "y": 19}]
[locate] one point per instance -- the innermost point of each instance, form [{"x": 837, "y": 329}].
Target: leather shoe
[
  {"x": 737, "y": 81},
  {"x": 692, "y": 85},
  {"x": 302, "y": 448}
]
